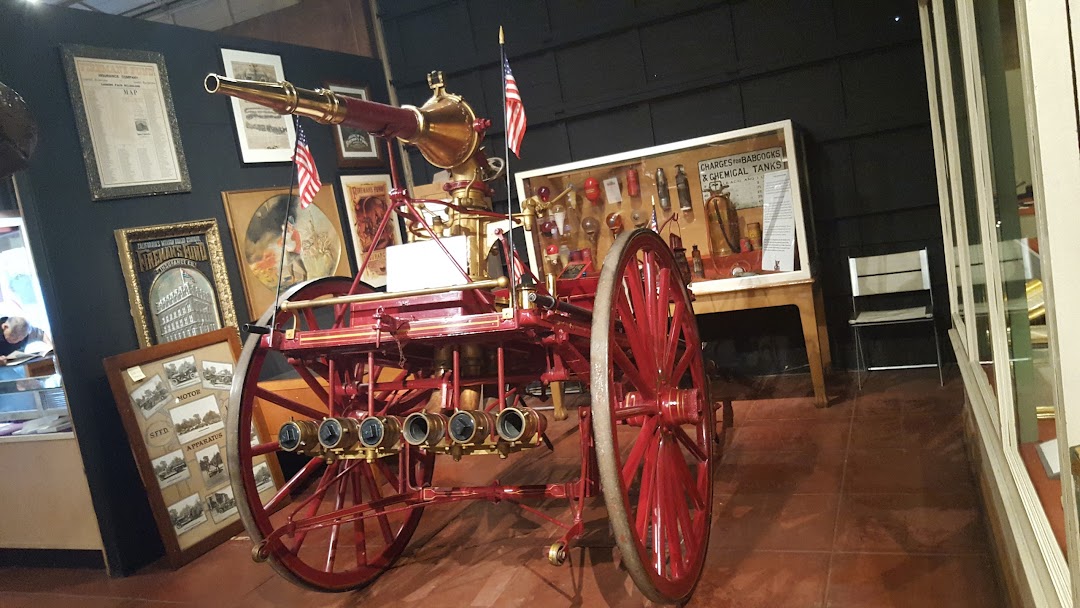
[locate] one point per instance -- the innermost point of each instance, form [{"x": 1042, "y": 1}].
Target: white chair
[{"x": 880, "y": 275}]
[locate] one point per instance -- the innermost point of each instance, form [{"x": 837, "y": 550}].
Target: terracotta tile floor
[{"x": 869, "y": 503}]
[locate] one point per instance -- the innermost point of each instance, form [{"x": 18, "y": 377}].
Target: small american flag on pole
[
  {"x": 307, "y": 175},
  {"x": 515, "y": 111}
]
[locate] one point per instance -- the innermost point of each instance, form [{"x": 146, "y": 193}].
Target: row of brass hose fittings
[{"x": 373, "y": 437}]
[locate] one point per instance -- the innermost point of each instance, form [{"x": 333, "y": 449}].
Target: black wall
[
  {"x": 71, "y": 237},
  {"x": 604, "y": 76}
]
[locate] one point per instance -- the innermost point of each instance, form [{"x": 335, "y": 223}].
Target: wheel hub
[{"x": 676, "y": 406}]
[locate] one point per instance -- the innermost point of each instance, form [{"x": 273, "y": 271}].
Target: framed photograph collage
[{"x": 173, "y": 399}]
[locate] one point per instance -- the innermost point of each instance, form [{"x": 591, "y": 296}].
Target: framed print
[
  {"x": 177, "y": 435},
  {"x": 126, "y": 122},
  {"x": 355, "y": 147},
  {"x": 367, "y": 197},
  {"x": 176, "y": 280},
  {"x": 264, "y": 135},
  {"x": 314, "y": 247}
]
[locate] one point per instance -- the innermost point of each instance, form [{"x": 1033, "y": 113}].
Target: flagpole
[
  {"x": 285, "y": 220},
  {"x": 510, "y": 266}
]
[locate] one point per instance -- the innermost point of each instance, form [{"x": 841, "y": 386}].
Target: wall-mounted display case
[{"x": 736, "y": 200}]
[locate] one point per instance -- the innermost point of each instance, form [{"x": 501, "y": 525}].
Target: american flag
[
  {"x": 306, "y": 173},
  {"x": 515, "y": 111}
]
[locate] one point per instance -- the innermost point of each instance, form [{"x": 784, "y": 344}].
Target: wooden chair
[{"x": 881, "y": 275}]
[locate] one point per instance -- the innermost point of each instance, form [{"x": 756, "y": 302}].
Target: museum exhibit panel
[{"x": 289, "y": 317}]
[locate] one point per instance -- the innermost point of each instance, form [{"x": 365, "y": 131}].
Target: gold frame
[
  {"x": 240, "y": 207},
  {"x": 208, "y": 229}
]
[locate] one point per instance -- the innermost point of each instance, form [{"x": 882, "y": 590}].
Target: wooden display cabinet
[{"x": 744, "y": 210}]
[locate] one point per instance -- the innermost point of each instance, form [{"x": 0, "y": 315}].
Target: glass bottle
[{"x": 699, "y": 265}]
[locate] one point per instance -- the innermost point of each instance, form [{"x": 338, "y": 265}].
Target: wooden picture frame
[
  {"x": 264, "y": 136},
  {"x": 366, "y": 199},
  {"x": 315, "y": 244},
  {"x": 356, "y": 147},
  {"x": 167, "y": 265},
  {"x": 123, "y": 110},
  {"x": 158, "y": 392}
]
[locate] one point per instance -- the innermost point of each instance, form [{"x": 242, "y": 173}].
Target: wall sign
[
  {"x": 743, "y": 174},
  {"x": 126, "y": 122}
]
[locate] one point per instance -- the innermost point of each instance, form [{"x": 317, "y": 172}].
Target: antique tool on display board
[{"x": 389, "y": 383}]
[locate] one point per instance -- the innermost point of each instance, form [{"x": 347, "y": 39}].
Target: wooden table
[{"x": 806, "y": 296}]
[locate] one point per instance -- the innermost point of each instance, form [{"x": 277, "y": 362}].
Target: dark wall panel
[
  {"x": 613, "y": 75},
  {"x": 71, "y": 237}
]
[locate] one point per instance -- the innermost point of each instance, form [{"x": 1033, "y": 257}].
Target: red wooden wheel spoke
[
  {"x": 289, "y": 404},
  {"x": 632, "y": 373},
  {"x": 313, "y": 505},
  {"x": 684, "y": 363},
  {"x": 647, "y": 489},
  {"x": 288, "y": 486},
  {"x": 640, "y": 309},
  {"x": 669, "y": 512},
  {"x": 641, "y": 443},
  {"x": 391, "y": 477},
  {"x": 313, "y": 383},
  {"x": 339, "y": 503},
  {"x": 359, "y": 536},
  {"x": 660, "y": 312},
  {"x": 309, "y": 316},
  {"x": 632, "y": 330},
  {"x": 264, "y": 448},
  {"x": 675, "y": 335},
  {"x": 695, "y": 449},
  {"x": 682, "y": 472},
  {"x": 682, "y": 484},
  {"x": 373, "y": 485}
]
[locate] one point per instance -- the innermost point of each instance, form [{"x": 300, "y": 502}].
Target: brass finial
[{"x": 435, "y": 82}]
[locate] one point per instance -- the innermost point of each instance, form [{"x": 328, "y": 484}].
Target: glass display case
[{"x": 732, "y": 205}]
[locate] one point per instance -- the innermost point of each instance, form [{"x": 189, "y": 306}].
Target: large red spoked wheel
[
  {"x": 341, "y": 556},
  {"x": 652, "y": 417}
]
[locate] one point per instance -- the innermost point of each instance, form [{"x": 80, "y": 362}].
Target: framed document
[
  {"x": 264, "y": 135},
  {"x": 357, "y": 148},
  {"x": 266, "y": 223},
  {"x": 126, "y": 122},
  {"x": 367, "y": 199},
  {"x": 176, "y": 279},
  {"x": 173, "y": 401}
]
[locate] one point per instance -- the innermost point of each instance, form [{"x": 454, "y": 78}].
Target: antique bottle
[
  {"x": 682, "y": 186},
  {"x": 591, "y": 227},
  {"x": 662, "y": 190},
  {"x": 753, "y": 232},
  {"x": 633, "y": 187},
  {"x": 699, "y": 265}
]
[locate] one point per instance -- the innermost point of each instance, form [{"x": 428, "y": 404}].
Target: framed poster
[
  {"x": 311, "y": 240},
  {"x": 264, "y": 135},
  {"x": 173, "y": 401},
  {"x": 367, "y": 198},
  {"x": 176, "y": 280},
  {"x": 355, "y": 147},
  {"x": 126, "y": 122}
]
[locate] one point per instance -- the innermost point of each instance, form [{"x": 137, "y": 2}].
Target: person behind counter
[{"x": 17, "y": 334}]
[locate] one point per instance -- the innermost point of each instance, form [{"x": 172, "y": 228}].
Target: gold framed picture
[
  {"x": 173, "y": 400},
  {"x": 356, "y": 147},
  {"x": 367, "y": 198},
  {"x": 265, "y": 224},
  {"x": 176, "y": 280}
]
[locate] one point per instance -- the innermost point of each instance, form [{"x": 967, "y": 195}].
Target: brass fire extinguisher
[{"x": 723, "y": 223}]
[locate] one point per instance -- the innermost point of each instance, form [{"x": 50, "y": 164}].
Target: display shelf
[{"x": 737, "y": 197}]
